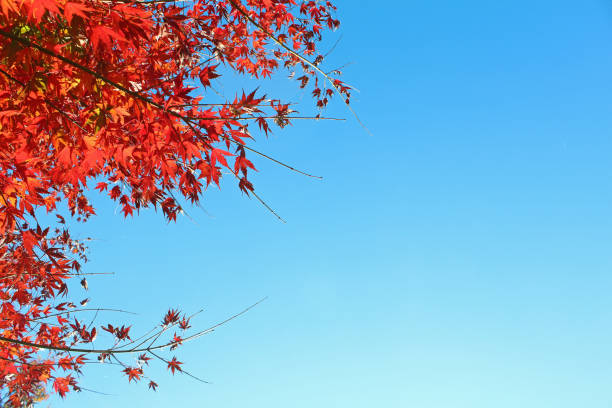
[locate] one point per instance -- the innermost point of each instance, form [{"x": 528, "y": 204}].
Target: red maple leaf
[
  {"x": 60, "y": 385},
  {"x": 102, "y": 36},
  {"x": 219, "y": 155},
  {"x": 143, "y": 359},
  {"x": 172, "y": 316},
  {"x": 133, "y": 373},
  {"x": 174, "y": 365},
  {"x": 40, "y": 7},
  {"x": 29, "y": 240},
  {"x": 75, "y": 9}
]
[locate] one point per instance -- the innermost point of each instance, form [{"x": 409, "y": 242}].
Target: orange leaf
[{"x": 72, "y": 9}]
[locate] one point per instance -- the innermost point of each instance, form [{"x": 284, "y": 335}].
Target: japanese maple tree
[{"x": 115, "y": 96}]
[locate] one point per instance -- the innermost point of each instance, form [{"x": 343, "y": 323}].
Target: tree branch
[
  {"x": 133, "y": 94},
  {"x": 298, "y": 56},
  {"x": 112, "y": 351}
]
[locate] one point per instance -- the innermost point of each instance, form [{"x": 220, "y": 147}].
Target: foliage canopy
[{"x": 116, "y": 94}]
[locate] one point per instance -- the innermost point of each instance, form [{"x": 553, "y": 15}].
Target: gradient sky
[{"x": 458, "y": 257}]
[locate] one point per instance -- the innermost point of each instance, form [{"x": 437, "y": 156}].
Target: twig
[
  {"x": 298, "y": 56},
  {"x": 116, "y": 351},
  {"x": 85, "y": 310},
  {"x": 181, "y": 370}
]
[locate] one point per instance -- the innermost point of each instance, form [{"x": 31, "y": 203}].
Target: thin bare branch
[
  {"x": 116, "y": 351},
  {"x": 84, "y": 310},
  {"x": 182, "y": 371},
  {"x": 298, "y": 56}
]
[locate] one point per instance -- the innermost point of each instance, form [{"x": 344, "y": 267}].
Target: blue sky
[{"x": 458, "y": 257}]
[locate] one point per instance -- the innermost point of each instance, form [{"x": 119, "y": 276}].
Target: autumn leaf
[
  {"x": 60, "y": 385},
  {"x": 172, "y": 316},
  {"x": 184, "y": 324},
  {"x": 133, "y": 373},
  {"x": 219, "y": 155},
  {"x": 40, "y": 7},
  {"x": 143, "y": 359},
  {"x": 102, "y": 36},
  {"x": 75, "y": 9},
  {"x": 174, "y": 365},
  {"x": 7, "y": 5}
]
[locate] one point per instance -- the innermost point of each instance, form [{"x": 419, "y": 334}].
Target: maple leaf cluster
[{"x": 116, "y": 94}]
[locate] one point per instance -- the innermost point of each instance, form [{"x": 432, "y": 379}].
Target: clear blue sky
[{"x": 459, "y": 257}]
